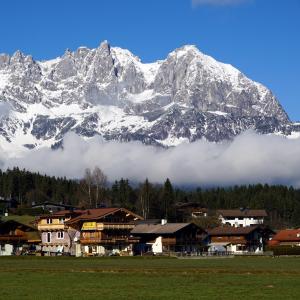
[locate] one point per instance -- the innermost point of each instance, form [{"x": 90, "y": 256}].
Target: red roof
[
  {"x": 98, "y": 213},
  {"x": 287, "y": 235}
]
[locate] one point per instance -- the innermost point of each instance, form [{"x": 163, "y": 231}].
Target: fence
[{"x": 202, "y": 254}]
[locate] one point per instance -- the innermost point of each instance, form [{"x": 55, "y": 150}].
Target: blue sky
[{"x": 260, "y": 37}]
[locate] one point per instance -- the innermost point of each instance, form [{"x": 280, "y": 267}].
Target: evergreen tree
[{"x": 168, "y": 199}]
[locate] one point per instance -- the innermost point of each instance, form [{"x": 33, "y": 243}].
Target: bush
[{"x": 284, "y": 250}]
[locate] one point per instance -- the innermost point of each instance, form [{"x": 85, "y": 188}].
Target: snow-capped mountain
[{"x": 108, "y": 91}]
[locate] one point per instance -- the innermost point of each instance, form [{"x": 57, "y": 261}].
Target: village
[{"x": 115, "y": 231}]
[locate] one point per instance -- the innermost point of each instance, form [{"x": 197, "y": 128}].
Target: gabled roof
[
  {"x": 99, "y": 213},
  {"x": 242, "y": 212},
  {"x": 230, "y": 230},
  {"x": 63, "y": 213},
  {"x": 12, "y": 225},
  {"x": 168, "y": 228},
  {"x": 287, "y": 235}
]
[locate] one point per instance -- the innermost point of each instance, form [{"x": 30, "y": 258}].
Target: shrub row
[{"x": 284, "y": 250}]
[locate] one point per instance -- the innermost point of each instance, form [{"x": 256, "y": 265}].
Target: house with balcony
[
  {"x": 104, "y": 231},
  {"x": 169, "y": 237},
  {"x": 56, "y": 236},
  {"x": 242, "y": 217},
  {"x": 239, "y": 240},
  {"x": 17, "y": 238}
]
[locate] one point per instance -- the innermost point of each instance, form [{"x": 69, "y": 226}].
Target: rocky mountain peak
[{"x": 109, "y": 91}]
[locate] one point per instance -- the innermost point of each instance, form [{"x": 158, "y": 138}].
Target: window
[
  {"x": 241, "y": 248},
  {"x": 61, "y": 220},
  {"x": 60, "y": 235},
  {"x": 49, "y": 221},
  {"x": 48, "y": 237}
]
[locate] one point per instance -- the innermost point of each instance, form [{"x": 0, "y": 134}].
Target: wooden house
[
  {"x": 239, "y": 240},
  {"x": 169, "y": 237},
  {"x": 16, "y": 237},
  {"x": 105, "y": 231}
]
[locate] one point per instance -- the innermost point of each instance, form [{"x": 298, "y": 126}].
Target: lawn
[{"x": 149, "y": 278}]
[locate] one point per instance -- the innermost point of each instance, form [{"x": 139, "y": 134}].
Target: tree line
[{"x": 148, "y": 199}]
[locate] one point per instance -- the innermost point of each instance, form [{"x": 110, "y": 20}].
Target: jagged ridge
[{"x": 110, "y": 92}]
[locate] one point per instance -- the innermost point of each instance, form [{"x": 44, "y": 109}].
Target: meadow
[{"x": 149, "y": 278}]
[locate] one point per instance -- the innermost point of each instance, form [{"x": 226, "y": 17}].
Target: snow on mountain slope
[{"x": 108, "y": 91}]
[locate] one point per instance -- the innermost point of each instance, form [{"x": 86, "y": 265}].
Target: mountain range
[{"x": 108, "y": 91}]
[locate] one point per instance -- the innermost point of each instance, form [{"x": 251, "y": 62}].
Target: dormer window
[{"x": 49, "y": 221}]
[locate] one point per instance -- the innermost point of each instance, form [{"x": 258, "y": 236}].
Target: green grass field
[{"x": 149, "y": 278}]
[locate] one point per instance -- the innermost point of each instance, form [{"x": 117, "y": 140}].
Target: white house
[{"x": 242, "y": 217}]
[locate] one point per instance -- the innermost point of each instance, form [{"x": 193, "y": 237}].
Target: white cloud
[
  {"x": 250, "y": 158},
  {"x": 218, "y": 2}
]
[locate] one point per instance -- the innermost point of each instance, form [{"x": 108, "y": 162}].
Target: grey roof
[{"x": 158, "y": 228}]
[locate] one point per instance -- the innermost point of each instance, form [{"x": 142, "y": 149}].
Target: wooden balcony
[
  {"x": 169, "y": 241},
  {"x": 106, "y": 240},
  {"x": 90, "y": 240},
  {"x": 228, "y": 239},
  {"x": 114, "y": 226},
  {"x": 51, "y": 227},
  {"x": 54, "y": 244},
  {"x": 9, "y": 237}
]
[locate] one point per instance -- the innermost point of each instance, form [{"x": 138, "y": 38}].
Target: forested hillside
[{"x": 150, "y": 200}]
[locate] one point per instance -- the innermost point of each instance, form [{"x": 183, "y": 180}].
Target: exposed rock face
[{"x": 110, "y": 92}]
